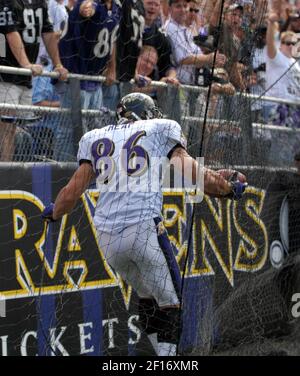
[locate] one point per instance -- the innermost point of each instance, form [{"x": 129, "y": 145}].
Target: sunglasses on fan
[{"x": 289, "y": 43}]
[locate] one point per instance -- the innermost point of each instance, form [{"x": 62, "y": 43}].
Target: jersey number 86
[{"x": 133, "y": 157}]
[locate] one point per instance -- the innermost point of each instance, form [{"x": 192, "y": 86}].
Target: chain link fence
[{"x": 224, "y": 129}]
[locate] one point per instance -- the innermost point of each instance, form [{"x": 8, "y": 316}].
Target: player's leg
[
  {"x": 118, "y": 253},
  {"x": 117, "y": 249},
  {"x": 157, "y": 263},
  {"x": 147, "y": 318},
  {"x": 137, "y": 256}
]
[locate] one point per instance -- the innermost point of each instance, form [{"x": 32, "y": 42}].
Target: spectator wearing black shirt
[
  {"x": 128, "y": 46},
  {"x": 154, "y": 37},
  {"x": 23, "y": 23},
  {"x": 168, "y": 99}
]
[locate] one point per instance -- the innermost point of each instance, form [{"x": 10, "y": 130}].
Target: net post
[{"x": 76, "y": 115}]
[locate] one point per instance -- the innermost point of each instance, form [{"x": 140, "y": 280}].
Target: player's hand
[
  {"x": 47, "y": 213},
  {"x": 238, "y": 185},
  {"x": 228, "y": 175},
  {"x": 237, "y": 181},
  {"x": 238, "y": 190}
]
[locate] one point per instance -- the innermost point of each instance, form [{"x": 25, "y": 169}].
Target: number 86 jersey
[{"x": 128, "y": 161}]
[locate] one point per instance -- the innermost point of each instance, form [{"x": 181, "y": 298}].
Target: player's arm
[
  {"x": 70, "y": 194},
  {"x": 216, "y": 183}
]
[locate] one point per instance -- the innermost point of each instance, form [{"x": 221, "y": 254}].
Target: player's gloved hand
[
  {"x": 237, "y": 187},
  {"x": 47, "y": 213}
]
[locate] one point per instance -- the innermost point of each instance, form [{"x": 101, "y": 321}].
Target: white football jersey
[{"x": 128, "y": 160}]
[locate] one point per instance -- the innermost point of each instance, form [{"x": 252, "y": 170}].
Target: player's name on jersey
[{"x": 118, "y": 127}]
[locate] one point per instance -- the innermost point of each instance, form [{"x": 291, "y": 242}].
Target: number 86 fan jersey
[
  {"x": 128, "y": 160},
  {"x": 30, "y": 19},
  {"x": 89, "y": 42}
]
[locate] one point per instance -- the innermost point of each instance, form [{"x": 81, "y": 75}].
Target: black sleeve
[
  {"x": 47, "y": 24},
  {"x": 82, "y": 161},
  {"x": 9, "y": 17},
  {"x": 160, "y": 42},
  {"x": 164, "y": 53}
]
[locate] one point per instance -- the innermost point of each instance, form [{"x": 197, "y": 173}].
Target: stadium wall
[{"x": 61, "y": 298}]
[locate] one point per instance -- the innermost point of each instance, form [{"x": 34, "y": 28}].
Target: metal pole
[
  {"x": 47, "y": 110},
  {"x": 198, "y": 89}
]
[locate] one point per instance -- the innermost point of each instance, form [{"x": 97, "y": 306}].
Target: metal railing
[
  {"x": 158, "y": 84},
  {"x": 191, "y": 121}
]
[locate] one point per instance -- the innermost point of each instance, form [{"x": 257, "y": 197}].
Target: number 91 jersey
[
  {"x": 128, "y": 160},
  {"x": 30, "y": 19}
]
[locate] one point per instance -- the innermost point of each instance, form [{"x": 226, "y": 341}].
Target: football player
[{"x": 125, "y": 159}]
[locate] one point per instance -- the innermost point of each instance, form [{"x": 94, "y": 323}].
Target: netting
[{"x": 238, "y": 260}]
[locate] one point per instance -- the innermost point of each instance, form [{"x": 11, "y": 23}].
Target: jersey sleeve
[
  {"x": 9, "y": 17},
  {"x": 173, "y": 136},
  {"x": 47, "y": 24},
  {"x": 85, "y": 149}
]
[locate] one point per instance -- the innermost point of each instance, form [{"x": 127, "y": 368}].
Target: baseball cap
[{"x": 234, "y": 7}]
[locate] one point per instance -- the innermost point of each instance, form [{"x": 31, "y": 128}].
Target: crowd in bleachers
[{"x": 235, "y": 46}]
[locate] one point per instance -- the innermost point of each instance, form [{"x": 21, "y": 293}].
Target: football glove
[
  {"x": 47, "y": 213},
  {"x": 237, "y": 187}
]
